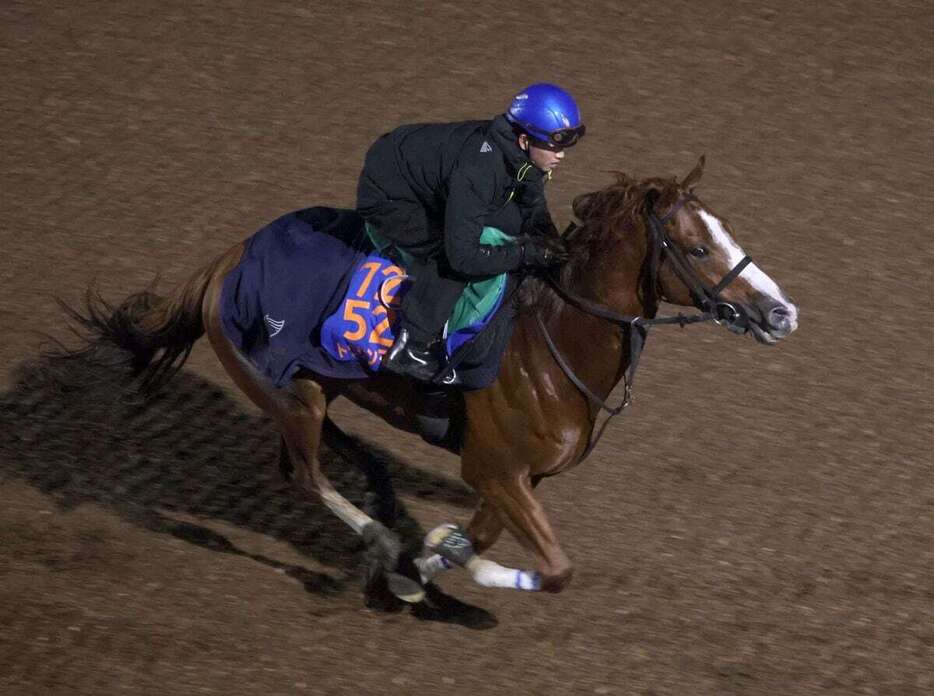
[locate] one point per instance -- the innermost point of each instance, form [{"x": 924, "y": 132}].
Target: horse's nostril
[{"x": 779, "y": 315}]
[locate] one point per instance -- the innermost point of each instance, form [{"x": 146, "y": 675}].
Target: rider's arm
[
  {"x": 470, "y": 198},
  {"x": 536, "y": 219}
]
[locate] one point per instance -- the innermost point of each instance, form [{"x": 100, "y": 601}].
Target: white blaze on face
[{"x": 752, "y": 274}]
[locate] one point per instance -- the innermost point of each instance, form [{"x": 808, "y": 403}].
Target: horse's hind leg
[
  {"x": 381, "y": 496},
  {"x": 300, "y": 412},
  {"x": 302, "y": 425},
  {"x": 381, "y": 504}
]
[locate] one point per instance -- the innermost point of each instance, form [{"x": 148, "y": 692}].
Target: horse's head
[
  {"x": 687, "y": 254},
  {"x": 699, "y": 264}
]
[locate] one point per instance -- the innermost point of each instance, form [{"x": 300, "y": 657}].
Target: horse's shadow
[{"x": 191, "y": 454}]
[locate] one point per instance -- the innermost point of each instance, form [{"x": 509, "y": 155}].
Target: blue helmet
[{"x": 548, "y": 114}]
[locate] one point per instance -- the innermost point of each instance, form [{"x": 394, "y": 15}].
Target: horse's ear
[
  {"x": 582, "y": 205},
  {"x": 691, "y": 179}
]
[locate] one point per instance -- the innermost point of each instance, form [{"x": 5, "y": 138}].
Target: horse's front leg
[
  {"x": 518, "y": 510},
  {"x": 485, "y": 526},
  {"x": 511, "y": 502},
  {"x": 484, "y": 529},
  {"x": 508, "y": 501}
]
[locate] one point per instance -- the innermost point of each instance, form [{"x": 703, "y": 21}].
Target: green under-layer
[{"x": 479, "y": 296}]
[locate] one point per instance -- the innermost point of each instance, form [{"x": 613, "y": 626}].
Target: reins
[{"x": 705, "y": 299}]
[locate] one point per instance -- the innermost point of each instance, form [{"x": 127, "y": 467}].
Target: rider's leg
[
  {"x": 429, "y": 302},
  {"x": 399, "y": 218},
  {"x": 425, "y": 309}
]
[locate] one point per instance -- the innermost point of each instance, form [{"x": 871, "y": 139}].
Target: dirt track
[{"x": 760, "y": 522}]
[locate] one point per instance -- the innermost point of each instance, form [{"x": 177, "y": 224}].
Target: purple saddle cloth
[{"x": 300, "y": 289}]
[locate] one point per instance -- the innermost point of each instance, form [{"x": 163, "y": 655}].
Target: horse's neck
[{"x": 596, "y": 349}]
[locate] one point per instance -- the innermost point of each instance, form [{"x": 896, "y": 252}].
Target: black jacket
[{"x": 429, "y": 187}]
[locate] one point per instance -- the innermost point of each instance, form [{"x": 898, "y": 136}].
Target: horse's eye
[{"x": 700, "y": 252}]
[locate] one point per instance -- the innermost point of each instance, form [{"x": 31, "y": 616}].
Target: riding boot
[{"x": 411, "y": 358}]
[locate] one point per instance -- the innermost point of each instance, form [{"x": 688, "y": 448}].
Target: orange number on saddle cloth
[
  {"x": 388, "y": 290},
  {"x": 378, "y": 335},
  {"x": 350, "y": 314},
  {"x": 390, "y": 287},
  {"x": 372, "y": 267},
  {"x": 362, "y": 327}
]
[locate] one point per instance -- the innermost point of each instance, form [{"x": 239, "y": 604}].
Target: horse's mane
[{"x": 603, "y": 217}]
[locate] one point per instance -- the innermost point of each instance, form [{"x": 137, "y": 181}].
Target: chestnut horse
[{"x": 576, "y": 336}]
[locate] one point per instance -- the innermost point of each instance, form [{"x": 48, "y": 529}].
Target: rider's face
[{"x": 545, "y": 158}]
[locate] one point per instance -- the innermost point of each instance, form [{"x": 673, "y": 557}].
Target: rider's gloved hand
[{"x": 544, "y": 251}]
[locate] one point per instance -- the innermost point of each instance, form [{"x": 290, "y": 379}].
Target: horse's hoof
[
  {"x": 451, "y": 542},
  {"x": 405, "y": 588},
  {"x": 381, "y": 599},
  {"x": 557, "y": 582}
]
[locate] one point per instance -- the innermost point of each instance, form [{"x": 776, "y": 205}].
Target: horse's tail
[{"x": 155, "y": 334}]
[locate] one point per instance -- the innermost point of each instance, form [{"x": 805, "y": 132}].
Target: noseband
[{"x": 706, "y": 299}]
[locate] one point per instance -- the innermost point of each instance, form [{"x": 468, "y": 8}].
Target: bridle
[{"x": 706, "y": 299}]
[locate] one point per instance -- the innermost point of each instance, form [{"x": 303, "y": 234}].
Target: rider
[{"x": 430, "y": 189}]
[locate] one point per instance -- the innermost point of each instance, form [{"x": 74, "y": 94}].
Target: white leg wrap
[
  {"x": 431, "y": 566},
  {"x": 484, "y": 572},
  {"x": 492, "y": 574}
]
